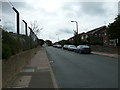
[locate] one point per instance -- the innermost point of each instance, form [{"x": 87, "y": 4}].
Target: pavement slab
[
  {"x": 0, "y": 74},
  {"x": 41, "y": 80}
]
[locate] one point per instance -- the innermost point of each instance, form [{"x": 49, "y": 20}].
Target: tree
[
  {"x": 41, "y": 42},
  {"x": 62, "y": 42},
  {"x": 35, "y": 27},
  {"x": 113, "y": 29},
  {"x": 48, "y": 42}
]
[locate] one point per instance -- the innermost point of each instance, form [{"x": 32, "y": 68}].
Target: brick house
[
  {"x": 84, "y": 37},
  {"x": 96, "y": 36},
  {"x": 71, "y": 40},
  {"x": 105, "y": 38}
]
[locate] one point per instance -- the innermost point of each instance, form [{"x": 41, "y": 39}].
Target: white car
[
  {"x": 72, "y": 47},
  {"x": 59, "y": 46}
]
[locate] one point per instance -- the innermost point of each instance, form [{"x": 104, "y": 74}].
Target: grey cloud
[
  {"x": 52, "y": 37},
  {"x": 20, "y": 4},
  {"x": 9, "y": 26},
  {"x": 84, "y": 8},
  {"x": 7, "y": 8},
  {"x": 93, "y": 8},
  {"x": 68, "y": 7},
  {"x": 65, "y": 31},
  {"x": 119, "y": 8}
]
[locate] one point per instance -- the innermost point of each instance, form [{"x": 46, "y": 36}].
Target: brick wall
[
  {"x": 105, "y": 49},
  {"x": 14, "y": 64}
]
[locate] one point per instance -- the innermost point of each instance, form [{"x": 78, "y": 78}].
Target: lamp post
[
  {"x": 76, "y": 34},
  {"x": 76, "y": 25}
]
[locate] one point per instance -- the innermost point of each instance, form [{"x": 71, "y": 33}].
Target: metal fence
[
  {"x": 12, "y": 21},
  {"x": 17, "y": 36}
]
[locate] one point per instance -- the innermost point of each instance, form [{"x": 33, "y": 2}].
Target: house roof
[{"x": 95, "y": 30}]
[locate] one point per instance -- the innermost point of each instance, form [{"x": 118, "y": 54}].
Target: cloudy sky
[{"x": 55, "y": 16}]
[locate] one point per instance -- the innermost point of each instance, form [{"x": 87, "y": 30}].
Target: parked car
[
  {"x": 59, "y": 46},
  {"x": 55, "y": 45},
  {"x": 83, "y": 49},
  {"x": 65, "y": 47},
  {"x": 72, "y": 48}
]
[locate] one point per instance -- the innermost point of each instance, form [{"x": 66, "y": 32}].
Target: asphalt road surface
[{"x": 74, "y": 70}]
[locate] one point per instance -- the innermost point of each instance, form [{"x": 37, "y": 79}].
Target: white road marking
[
  {"x": 27, "y": 70},
  {"x": 41, "y": 68}
]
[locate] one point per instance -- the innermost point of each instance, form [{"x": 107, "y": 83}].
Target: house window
[
  {"x": 99, "y": 35},
  {"x": 86, "y": 36},
  {"x": 105, "y": 33},
  {"x": 105, "y": 41},
  {"x": 82, "y": 37}
]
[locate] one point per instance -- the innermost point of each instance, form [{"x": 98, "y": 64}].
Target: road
[
  {"x": 0, "y": 74},
  {"x": 74, "y": 70}
]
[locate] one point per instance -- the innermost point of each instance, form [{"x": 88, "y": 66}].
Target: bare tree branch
[{"x": 35, "y": 27}]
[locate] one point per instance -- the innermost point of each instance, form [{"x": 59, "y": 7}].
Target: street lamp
[
  {"x": 76, "y": 25},
  {"x": 76, "y": 34}
]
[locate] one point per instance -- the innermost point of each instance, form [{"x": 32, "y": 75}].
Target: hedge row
[{"x": 13, "y": 44}]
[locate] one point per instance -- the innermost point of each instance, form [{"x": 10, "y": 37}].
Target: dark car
[{"x": 83, "y": 49}]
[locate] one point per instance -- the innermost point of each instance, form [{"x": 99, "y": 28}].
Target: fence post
[
  {"x": 30, "y": 37},
  {"x": 25, "y": 27},
  {"x": 17, "y": 20}
]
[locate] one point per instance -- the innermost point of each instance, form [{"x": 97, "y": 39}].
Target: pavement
[
  {"x": 106, "y": 54},
  {"x": 37, "y": 74},
  {"x": 0, "y": 74}
]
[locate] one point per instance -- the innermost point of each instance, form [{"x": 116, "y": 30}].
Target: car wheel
[{"x": 80, "y": 52}]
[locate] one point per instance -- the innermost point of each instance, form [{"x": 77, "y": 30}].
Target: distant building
[
  {"x": 48, "y": 43},
  {"x": 55, "y": 43}
]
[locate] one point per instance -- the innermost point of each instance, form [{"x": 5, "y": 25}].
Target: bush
[
  {"x": 7, "y": 52},
  {"x": 13, "y": 44}
]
